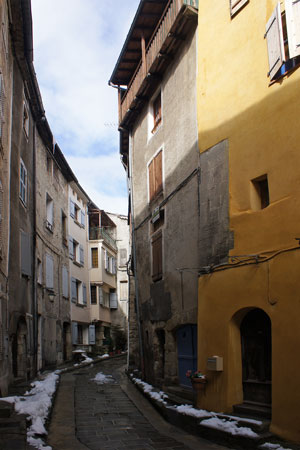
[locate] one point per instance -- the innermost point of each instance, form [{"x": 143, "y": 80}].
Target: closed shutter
[
  {"x": 151, "y": 180},
  {"x": 123, "y": 256},
  {"x": 83, "y": 219},
  {"x": 292, "y": 11},
  {"x": 65, "y": 281},
  {"x": 74, "y": 290},
  {"x": 81, "y": 255},
  {"x": 92, "y": 334},
  {"x": 84, "y": 299},
  {"x": 158, "y": 173},
  {"x": 157, "y": 257},
  {"x": 113, "y": 268},
  {"x": 74, "y": 333},
  {"x": 49, "y": 272},
  {"x": 106, "y": 260},
  {"x": 275, "y": 43},
  {"x": 113, "y": 300},
  {"x": 25, "y": 254},
  {"x": 101, "y": 300},
  {"x": 71, "y": 248},
  {"x": 236, "y": 5},
  {"x": 72, "y": 209}
]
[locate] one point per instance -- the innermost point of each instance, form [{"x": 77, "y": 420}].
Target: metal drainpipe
[
  {"x": 134, "y": 261},
  {"x": 34, "y": 304}
]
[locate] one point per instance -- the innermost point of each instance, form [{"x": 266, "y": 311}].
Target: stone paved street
[{"x": 108, "y": 416}]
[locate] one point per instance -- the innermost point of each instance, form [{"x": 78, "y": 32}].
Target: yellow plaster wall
[
  {"x": 261, "y": 122},
  {"x": 224, "y": 299}
]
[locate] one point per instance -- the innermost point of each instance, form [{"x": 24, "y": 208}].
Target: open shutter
[
  {"x": 74, "y": 333},
  {"x": 83, "y": 219},
  {"x": 84, "y": 299},
  {"x": 158, "y": 173},
  {"x": 275, "y": 43},
  {"x": 25, "y": 254},
  {"x": 65, "y": 282},
  {"x": 81, "y": 255},
  {"x": 92, "y": 334},
  {"x": 74, "y": 290},
  {"x": 49, "y": 272},
  {"x": 292, "y": 12},
  {"x": 101, "y": 296},
  {"x": 106, "y": 260},
  {"x": 71, "y": 248},
  {"x": 72, "y": 209},
  {"x": 236, "y": 5},
  {"x": 113, "y": 300},
  {"x": 151, "y": 180}
]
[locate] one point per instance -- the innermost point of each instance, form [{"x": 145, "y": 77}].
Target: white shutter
[
  {"x": 72, "y": 209},
  {"x": 236, "y": 5},
  {"x": 25, "y": 254},
  {"x": 100, "y": 296},
  {"x": 81, "y": 255},
  {"x": 84, "y": 299},
  {"x": 113, "y": 264},
  {"x": 49, "y": 271},
  {"x": 106, "y": 260},
  {"x": 65, "y": 282},
  {"x": 83, "y": 219},
  {"x": 71, "y": 248},
  {"x": 275, "y": 43},
  {"x": 292, "y": 11},
  {"x": 92, "y": 334},
  {"x": 74, "y": 333},
  {"x": 113, "y": 300},
  {"x": 73, "y": 290}
]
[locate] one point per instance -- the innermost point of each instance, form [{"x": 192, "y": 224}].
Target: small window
[
  {"x": 49, "y": 213},
  {"x": 157, "y": 257},
  {"x": 26, "y": 118},
  {"x": 155, "y": 176},
  {"x": 260, "y": 193},
  {"x": 236, "y": 5},
  {"x": 123, "y": 257},
  {"x": 94, "y": 255},
  {"x": 93, "y": 294},
  {"x": 23, "y": 182},
  {"x": 156, "y": 111}
]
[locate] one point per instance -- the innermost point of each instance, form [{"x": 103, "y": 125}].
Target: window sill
[
  {"x": 81, "y": 305},
  {"x": 77, "y": 263}
]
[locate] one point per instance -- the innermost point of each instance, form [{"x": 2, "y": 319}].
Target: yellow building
[{"x": 249, "y": 138}]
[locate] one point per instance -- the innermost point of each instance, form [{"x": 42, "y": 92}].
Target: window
[
  {"x": 49, "y": 272},
  {"x": 260, "y": 193},
  {"x": 93, "y": 294},
  {"x": 155, "y": 176},
  {"x": 79, "y": 334},
  {"x": 113, "y": 299},
  {"x": 157, "y": 257},
  {"x": 94, "y": 254},
  {"x": 65, "y": 282},
  {"x": 39, "y": 271},
  {"x": 123, "y": 257},
  {"x": 72, "y": 209},
  {"x": 156, "y": 111},
  {"x": 23, "y": 182},
  {"x": 77, "y": 213},
  {"x": 26, "y": 118},
  {"x": 49, "y": 213},
  {"x": 64, "y": 228},
  {"x": 283, "y": 39},
  {"x": 76, "y": 252},
  {"x": 236, "y": 5},
  {"x": 123, "y": 290},
  {"x": 2, "y": 102},
  {"x": 158, "y": 219},
  {"x": 78, "y": 292},
  {"x": 110, "y": 263}
]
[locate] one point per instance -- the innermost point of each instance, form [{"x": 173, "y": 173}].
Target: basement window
[{"x": 260, "y": 193}]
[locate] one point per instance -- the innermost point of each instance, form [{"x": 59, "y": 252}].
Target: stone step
[
  {"x": 253, "y": 410},
  {"x": 257, "y": 425}
]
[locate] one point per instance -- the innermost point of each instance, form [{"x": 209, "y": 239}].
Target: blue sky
[{"x": 76, "y": 46}]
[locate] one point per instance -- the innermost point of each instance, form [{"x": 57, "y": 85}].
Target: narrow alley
[{"x": 112, "y": 414}]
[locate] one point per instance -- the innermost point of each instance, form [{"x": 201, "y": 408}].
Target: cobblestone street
[{"x": 109, "y": 415}]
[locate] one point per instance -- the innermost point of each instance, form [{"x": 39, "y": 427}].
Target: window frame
[
  {"x": 23, "y": 183},
  {"x": 94, "y": 258}
]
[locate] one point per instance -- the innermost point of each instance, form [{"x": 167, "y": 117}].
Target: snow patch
[
  {"x": 270, "y": 446},
  {"x": 36, "y": 404},
  {"x": 100, "y": 378},
  {"x": 229, "y": 427},
  {"x": 188, "y": 410},
  {"x": 148, "y": 389}
]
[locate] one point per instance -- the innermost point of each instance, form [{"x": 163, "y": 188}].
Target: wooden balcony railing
[{"x": 154, "y": 46}]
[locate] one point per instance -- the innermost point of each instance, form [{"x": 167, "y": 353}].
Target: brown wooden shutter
[
  {"x": 157, "y": 257},
  {"x": 151, "y": 180},
  {"x": 158, "y": 173}
]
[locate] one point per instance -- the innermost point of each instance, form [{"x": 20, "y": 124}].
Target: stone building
[{"x": 156, "y": 79}]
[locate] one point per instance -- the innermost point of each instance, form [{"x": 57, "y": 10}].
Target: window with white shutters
[
  {"x": 74, "y": 290},
  {"x": 49, "y": 272},
  {"x": 275, "y": 42},
  {"x": 236, "y": 5}
]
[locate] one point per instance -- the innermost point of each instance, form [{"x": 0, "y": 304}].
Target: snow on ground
[
  {"x": 229, "y": 427},
  {"x": 148, "y": 388},
  {"x": 188, "y": 410},
  {"x": 36, "y": 404},
  {"x": 240, "y": 419},
  {"x": 106, "y": 355},
  {"x": 101, "y": 378},
  {"x": 270, "y": 446}
]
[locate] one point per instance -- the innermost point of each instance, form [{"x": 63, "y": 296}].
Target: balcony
[
  {"x": 153, "y": 56},
  {"x": 99, "y": 233}
]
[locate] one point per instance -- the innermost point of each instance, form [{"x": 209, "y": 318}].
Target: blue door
[{"x": 187, "y": 352}]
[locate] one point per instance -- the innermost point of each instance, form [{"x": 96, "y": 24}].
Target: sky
[{"x": 76, "y": 46}]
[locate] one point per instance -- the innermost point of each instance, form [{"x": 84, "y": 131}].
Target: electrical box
[{"x": 215, "y": 363}]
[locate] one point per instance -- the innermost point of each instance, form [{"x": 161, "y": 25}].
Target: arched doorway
[
  {"x": 256, "y": 340},
  {"x": 187, "y": 352}
]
